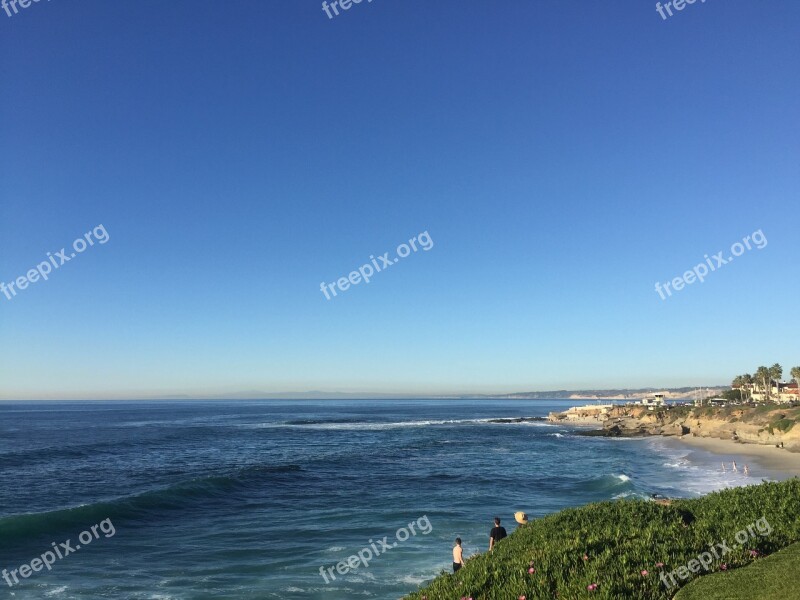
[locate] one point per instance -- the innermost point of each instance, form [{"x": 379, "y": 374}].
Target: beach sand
[{"x": 768, "y": 457}]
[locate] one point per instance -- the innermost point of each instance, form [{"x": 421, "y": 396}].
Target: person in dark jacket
[{"x": 497, "y": 534}]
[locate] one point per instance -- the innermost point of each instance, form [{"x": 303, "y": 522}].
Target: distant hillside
[
  {"x": 614, "y": 394},
  {"x": 620, "y": 394}
]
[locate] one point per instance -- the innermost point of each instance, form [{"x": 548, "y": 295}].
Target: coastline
[
  {"x": 768, "y": 457},
  {"x": 745, "y": 434}
]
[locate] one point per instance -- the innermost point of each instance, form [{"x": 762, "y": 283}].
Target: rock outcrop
[{"x": 767, "y": 425}]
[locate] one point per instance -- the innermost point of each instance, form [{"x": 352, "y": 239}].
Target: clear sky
[{"x": 563, "y": 157}]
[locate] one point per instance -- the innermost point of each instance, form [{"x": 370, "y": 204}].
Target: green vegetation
[
  {"x": 678, "y": 411},
  {"x": 775, "y": 576},
  {"x": 753, "y": 414},
  {"x": 783, "y": 425},
  {"x": 732, "y": 395},
  {"x": 620, "y": 546},
  {"x": 707, "y": 411}
]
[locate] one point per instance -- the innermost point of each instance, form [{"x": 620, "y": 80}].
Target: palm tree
[
  {"x": 776, "y": 372},
  {"x": 743, "y": 383},
  {"x": 747, "y": 382},
  {"x": 796, "y": 375},
  {"x": 738, "y": 384},
  {"x": 763, "y": 377}
]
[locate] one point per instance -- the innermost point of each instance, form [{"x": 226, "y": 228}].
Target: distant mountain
[
  {"x": 620, "y": 394},
  {"x": 611, "y": 394}
]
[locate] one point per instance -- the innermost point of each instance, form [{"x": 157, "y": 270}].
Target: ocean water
[{"x": 250, "y": 499}]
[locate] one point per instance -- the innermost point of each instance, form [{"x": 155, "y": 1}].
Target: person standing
[
  {"x": 458, "y": 555},
  {"x": 497, "y": 533}
]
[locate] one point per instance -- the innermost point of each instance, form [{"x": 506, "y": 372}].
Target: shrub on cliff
[{"x": 620, "y": 549}]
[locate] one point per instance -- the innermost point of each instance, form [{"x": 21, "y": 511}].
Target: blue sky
[{"x": 563, "y": 156}]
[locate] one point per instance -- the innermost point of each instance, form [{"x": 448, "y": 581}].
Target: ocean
[{"x": 263, "y": 499}]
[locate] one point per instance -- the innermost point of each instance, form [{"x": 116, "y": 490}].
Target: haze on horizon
[{"x": 337, "y": 394}]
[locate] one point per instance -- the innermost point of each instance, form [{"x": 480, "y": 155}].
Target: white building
[
  {"x": 653, "y": 401},
  {"x": 780, "y": 392}
]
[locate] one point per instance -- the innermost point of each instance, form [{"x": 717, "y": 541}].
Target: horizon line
[{"x": 332, "y": 395}]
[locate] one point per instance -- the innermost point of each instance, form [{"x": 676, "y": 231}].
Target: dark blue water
[{"x": 250, "y": 499}]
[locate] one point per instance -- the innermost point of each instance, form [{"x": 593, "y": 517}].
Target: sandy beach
[{"x": 768, "y": 457}]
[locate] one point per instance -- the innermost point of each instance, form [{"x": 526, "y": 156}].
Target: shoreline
[{"x": 768, "y": 457}]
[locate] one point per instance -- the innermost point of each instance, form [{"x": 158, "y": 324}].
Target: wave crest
[{"x": 144, "y": 507}]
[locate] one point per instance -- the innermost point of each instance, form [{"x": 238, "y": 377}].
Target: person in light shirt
[{"x": 458, "y": 555}]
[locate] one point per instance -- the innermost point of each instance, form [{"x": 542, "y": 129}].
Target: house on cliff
[{"x": 780, "y": 392}]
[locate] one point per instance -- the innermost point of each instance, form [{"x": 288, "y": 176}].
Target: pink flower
[
  {"x": 723, "y": 567},
  {"x": 753, "y": 552},
  {"x": 591, "y": 587},
  {"x": 585, "y": 557},
  {"x": 659, "y": 564},
  {"x": 531, "y": 571},
  {"x": 522, "y": 598},
  {"x": 644, "y": 573}
]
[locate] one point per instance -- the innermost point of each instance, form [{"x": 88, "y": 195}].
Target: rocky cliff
[{"x": 767, "y": 425}]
